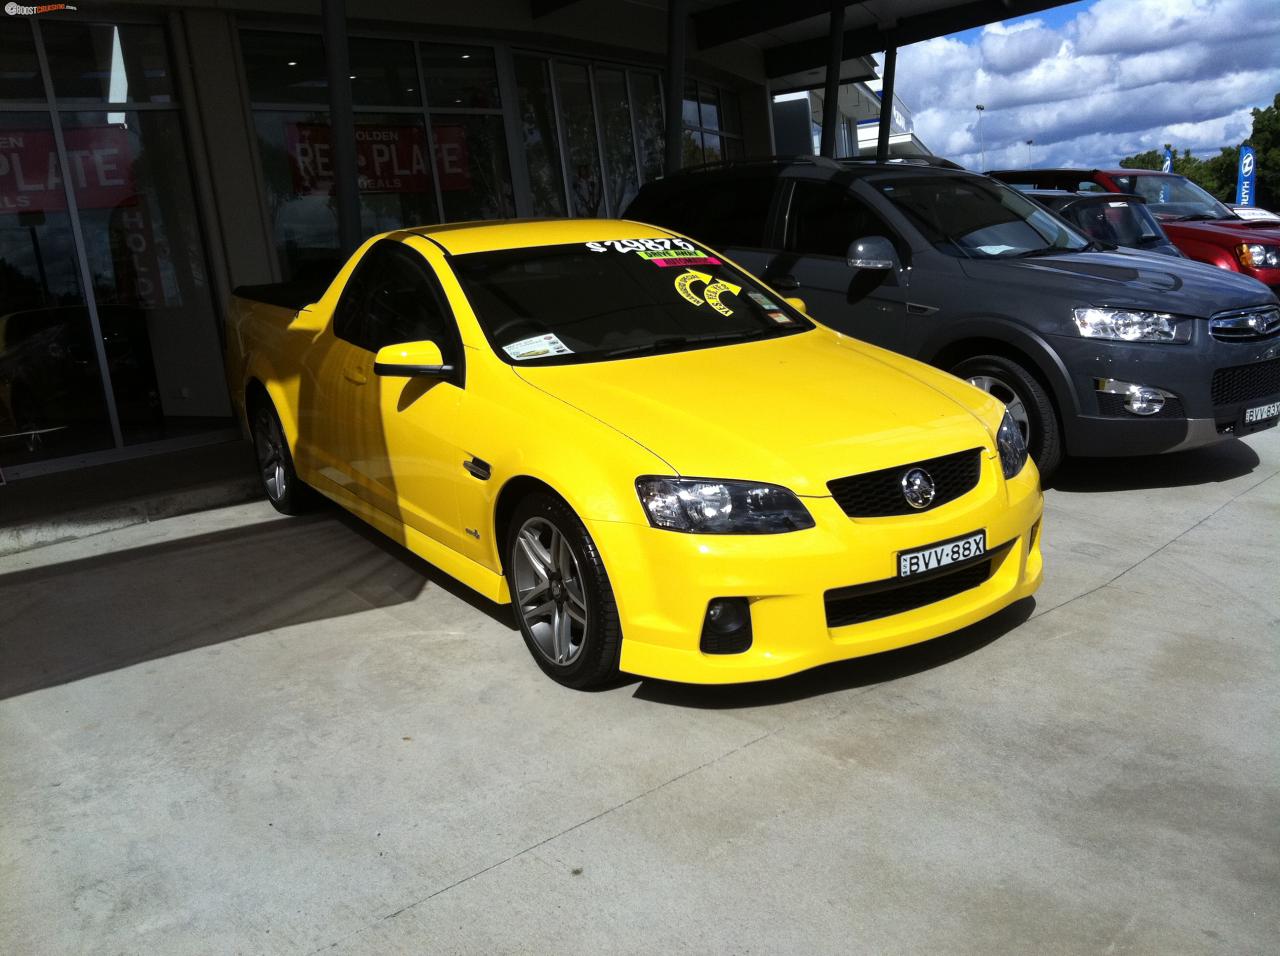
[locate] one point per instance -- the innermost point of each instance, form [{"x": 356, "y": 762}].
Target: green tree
[{"x": 1217, "y": 175}]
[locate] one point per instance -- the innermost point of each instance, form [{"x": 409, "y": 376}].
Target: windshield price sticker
[
  {"x": 540, "y": 346},
  {"x": 680, "y": 257},
  {"x": 763, "y": 301},
  {"x": 642, "y": 245},
  {"x": 780, "y": 318}
]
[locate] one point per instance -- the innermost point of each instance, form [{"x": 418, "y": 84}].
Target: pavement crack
[
  {"x": 555, "y": 836},
  {"x": 1147, "y": 557}
]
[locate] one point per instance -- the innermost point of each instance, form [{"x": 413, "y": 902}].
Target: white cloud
[{"x": 1120, "y": 77}]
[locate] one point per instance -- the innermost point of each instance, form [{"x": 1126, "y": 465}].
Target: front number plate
[
  {"x": 935, "y": 556},
  {"x": 1261, "y": 416}
]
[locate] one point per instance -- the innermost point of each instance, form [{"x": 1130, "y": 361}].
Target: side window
[
  {"x": 825, "y": 218},
  {"x": 394, "y": 298},
  {"x": 721, "y": 212}
]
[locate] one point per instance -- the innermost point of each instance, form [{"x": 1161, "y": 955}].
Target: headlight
[
  {"x": 1254, "y": 255},
  {"x": 1128, "y": 325},
  {"x": 1011, "y": 445},
  {"x": 707, "y": 506}
]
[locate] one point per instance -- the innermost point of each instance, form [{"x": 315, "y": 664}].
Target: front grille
[
  {"x": 870, "y": 602},
  {"x": 1246, "y": 325},
  {"x": 1240, "y": 383},
  {"x": 878, "y": 494},
  {"x": 1109, "y": 404}
]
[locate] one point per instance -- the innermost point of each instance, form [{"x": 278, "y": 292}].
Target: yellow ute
[{"x": 668, "y": 468}]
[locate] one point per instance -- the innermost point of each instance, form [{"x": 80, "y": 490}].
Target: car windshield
[
  {"x": 1174, "y": 197},
  {"x": 1121, "y": 222},
  {"x": 976, "y": 218},
  {"x": 596, "y": 301}
]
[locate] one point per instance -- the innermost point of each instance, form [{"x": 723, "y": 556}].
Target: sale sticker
[{"x": 539, "y": 346}]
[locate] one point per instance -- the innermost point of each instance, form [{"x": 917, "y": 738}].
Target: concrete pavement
[{"x": 231, "y": 732}]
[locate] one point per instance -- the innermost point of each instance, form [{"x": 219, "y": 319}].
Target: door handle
[
  {"x": 355, "y": 376},
  {"x": 784, "y": 283}
]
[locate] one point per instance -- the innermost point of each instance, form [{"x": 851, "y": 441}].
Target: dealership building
[{"x": 154, "y": 156}]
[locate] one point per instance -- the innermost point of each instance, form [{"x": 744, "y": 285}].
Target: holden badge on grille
[{"x": 918, "y": 489}]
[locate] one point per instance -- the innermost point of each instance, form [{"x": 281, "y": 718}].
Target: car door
[
  {"x": 821, "y": 219},
  {"x": 398, "y": 434}
]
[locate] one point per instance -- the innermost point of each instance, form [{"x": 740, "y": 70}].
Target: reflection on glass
[
  {"x": 460, "y": 77},
  {"x": 471, "y": 161},
  {"x": 101, "y": 63},
  {"x": 710, "y": 103},
  {"x": 711, "y": 148},
  {"x": 384, "y": 73},
  {"x": 619, "y": 148},
  {"x": 51, "y": 396},
  {"x": 574, "y": 91},
  {"x": 538, "y": 124},
  {"x": 146, "y": 257},
  {"x": 284, "y": 67},
  {"x": 646, "y": 103},
  {"x": 396, "y": 188},
  {"x": 691, "y": 148},
  {"x": 19, "y": 70},
  {"x": 690, "y": 104}
]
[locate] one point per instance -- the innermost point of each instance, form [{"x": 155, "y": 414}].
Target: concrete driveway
[{"x": 235, "y": 733}]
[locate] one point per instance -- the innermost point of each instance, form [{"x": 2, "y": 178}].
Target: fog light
[
  {"x": 1138, "y": 399},
  {"x": 726, "y": 629}
]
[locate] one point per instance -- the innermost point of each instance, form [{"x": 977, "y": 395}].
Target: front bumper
[
  {"x": 1199, "y": 416},
  {"x": 663, "y": 582}
]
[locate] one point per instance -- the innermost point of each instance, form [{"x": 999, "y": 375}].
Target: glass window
[
  {"x": 646, "y": 103},
  {"x": 603, "y": 301},
  {"x": 711, "y": 152},
  {"x": 460, "y": 77},
  {"x": 109, "y": 64},
  {"x": 384, "y": 71},
  {"x": 690, "y": 104},
  {"x": 691, "y": 149},
  {"x": 471, "y": 162},
  {"x": 284, "y": 67},
  {"x": 726, "y": 213},
  {"x": 133, "y": 191},
  {"x": 581, "y": 147},
  {"x": 392, "y": 298},
  {"x": 19, "y": 69},
  {"x": 619, "y": 147},
  {"x": 394, "y": 173},
  {"x": 709, "y": 102},
  {"x": 52, "y": 401},
  {"x": 824, "y": 219},
  {"x": 541, "y": 146}
]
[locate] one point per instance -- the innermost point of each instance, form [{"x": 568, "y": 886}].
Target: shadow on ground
[
  {"x": 71, "y": 620},
  {"x": 845, "y": 675},
  {"x": 1215, "y": 463}
]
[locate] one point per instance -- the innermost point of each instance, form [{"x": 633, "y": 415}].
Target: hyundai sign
[{"x": 1246, "y": 177}]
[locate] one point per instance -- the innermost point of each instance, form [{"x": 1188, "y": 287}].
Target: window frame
[{"x": 786, "y": 207}]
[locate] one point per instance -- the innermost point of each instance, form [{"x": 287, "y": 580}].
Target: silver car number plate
[{"x": 935, "y": 556}]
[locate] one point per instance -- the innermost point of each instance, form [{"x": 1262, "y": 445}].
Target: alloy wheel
[
  {"x": 269, "y": 444},
  {"x": 1002, "y": 390},
  {"x": 549, "y": 595}
]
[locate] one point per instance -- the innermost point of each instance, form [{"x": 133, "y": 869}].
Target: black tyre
[
  {"x": 561, "y": 595},
  {"x": 285, "y": 490},
  {"x": 1028, "y": 402}
]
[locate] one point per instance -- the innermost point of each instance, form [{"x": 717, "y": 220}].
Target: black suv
[{"x": 1096, "y": 350}]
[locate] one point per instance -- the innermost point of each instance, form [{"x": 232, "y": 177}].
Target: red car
[{"x": 1198, "y": 224}]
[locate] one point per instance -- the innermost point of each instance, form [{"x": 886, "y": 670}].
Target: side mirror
[
  {"x": 872, "y": 252},
  {"x": 411, "y": 359},
  {"x": 796, "y": 303}
]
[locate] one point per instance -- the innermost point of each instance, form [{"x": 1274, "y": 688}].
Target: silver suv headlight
[
  {"x": 710, "y": 506},
  {"x": 1011, "y": 445},
  {"x": 1131, "y": 325}
]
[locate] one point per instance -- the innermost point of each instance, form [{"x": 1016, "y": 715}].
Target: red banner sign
[
  {"x": 99, "y": 161},
  {"x": 389, "y": 159}
]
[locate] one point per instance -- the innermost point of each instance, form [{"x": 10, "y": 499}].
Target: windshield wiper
[
  {"x": 1198, "y": 217},
  {"x": 675, "y": 341}
]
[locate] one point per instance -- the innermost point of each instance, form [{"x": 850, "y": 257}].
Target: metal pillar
[
  {"x": 677, "y": 27},
  {"x": 342, "y": 125},
  {"x": 886, "y": 104},
  {"x": 831, "y": 95}
]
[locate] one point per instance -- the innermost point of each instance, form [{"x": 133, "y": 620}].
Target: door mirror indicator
[
  {"x": 872, "y": 252},
  {"x": 411, "y": 359},
  {"x": 796, "y": 303}
]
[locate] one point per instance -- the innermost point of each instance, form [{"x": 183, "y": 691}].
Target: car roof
[
  {"x": 462, "y": 238},
  {"x": 813, "y": 167}
]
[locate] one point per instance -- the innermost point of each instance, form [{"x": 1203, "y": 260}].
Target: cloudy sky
[{"x": 1094, "y": 81}]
